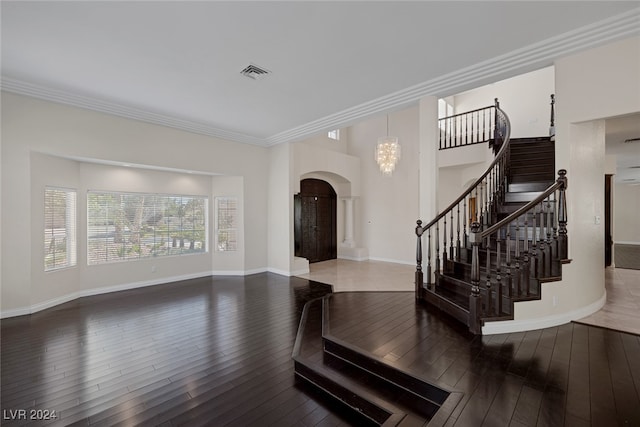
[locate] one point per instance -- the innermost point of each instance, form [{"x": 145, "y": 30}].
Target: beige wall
[
  {"x": 388, "y": 205},
  {"x": 525, "y": 98},
  {"x": 53, "y": 144}
]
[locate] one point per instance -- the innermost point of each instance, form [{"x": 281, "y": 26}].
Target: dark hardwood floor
[
  {"x": 217, "y": 351},
  {"x": 570, "y": 375}
]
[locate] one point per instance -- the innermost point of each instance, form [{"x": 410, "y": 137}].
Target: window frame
[
  {"x": 157, "y": 236},
  {"x": 218, "y": 230},
  {"x": 71, "y": 229},
  {"x": 334, "y": 134}
]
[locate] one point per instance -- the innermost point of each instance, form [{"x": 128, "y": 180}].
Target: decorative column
[{"x": 348, "y": 222}]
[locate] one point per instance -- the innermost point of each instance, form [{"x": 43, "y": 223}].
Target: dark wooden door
[
  {"x": 608, "y": 240},
  {"x": 315, "y": 221}
]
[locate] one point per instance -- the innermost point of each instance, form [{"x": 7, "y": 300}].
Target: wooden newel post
[
  {"x": 419, "y": 275},
  {"x": 475, "y": 300},
  {"x": 562, "y": 214}
]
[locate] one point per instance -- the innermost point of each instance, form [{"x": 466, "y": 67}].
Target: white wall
[
  {"x": 39, "y": 138},
  {"x": 626, "y": 206},
  {"x": 389, "y": 205},
  {"x": 524, "y": 98},
  {"x": 590, "y": 86}
]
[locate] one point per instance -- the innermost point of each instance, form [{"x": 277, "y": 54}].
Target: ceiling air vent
[{"x": 255, "y": 72}]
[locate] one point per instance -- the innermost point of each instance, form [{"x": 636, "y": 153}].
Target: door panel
[{"x": 315, "y": 227}]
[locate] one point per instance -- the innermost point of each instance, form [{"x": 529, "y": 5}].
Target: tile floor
[{"x": 621, "y": 311}]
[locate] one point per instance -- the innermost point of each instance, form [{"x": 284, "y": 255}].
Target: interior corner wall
[
  {"x": 280, "y": 210},
  {"x": 590, "y": 86},
  {"x": 39, "y": 136},
  {"x": 388, "y": 205}
]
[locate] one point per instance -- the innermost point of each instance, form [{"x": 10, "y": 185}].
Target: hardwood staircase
[
  {"x": 366, "y": 389},
  {"x": 479, "y": 267}
]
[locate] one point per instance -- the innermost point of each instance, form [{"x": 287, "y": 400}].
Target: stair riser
[
  {"x": 367, "y": 413},
  {"x": 430, "y": 397}
]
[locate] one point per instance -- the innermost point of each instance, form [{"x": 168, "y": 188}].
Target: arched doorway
[{"x": 315, "y": 221}]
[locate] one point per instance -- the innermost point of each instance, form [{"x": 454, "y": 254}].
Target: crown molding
[
  {"x": 528, "y": 58},
  {"x": 64, "y": 97}
]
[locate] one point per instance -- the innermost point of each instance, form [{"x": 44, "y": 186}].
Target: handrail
[
  {"x": 503, "y": 150},
  {"x": 467, "y": 128},
  {"x": 561, "y": 183},
  {"x": 467, "y": 112}
]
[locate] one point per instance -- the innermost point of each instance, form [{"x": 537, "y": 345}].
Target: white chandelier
[{"x": 387, "y": 152}]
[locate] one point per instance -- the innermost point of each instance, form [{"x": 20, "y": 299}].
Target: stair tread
[{"x": 370, "y": 398}]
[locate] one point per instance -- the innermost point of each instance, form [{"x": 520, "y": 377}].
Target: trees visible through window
[
  {"x": 129, "y": 226},
  {"x": 226, "y": 220},
  {"x": 59, "y": 228}
]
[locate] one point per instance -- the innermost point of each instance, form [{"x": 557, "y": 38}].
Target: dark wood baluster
[
  {"x": 450, "y": 131},
  {"x": 437, "y": 237},
  {"x": 484, "y": 125},
  {"x": 477, "y": 126},
  {"x": 429, "y": 258},
  {"x": 475, "y": 299},
  {"x": 451, "y": 248},
  {"x": 554, "y": 228},
  {"x": 419, "y": 277},
  {"x": 458, "y": 233},
  {"x": 541, "y": 243},
  {"x": 486, "y": 202},
  {"x": 466, "y": 129},
  {"x": 499, "y": 273},
  {"x": 455, "y": 132},
  {"x": 464, "y": 222},
  {"x": 552, "y": 122},
  {"x": 562, "y": 215},
  {"x": 508, "y": 262},
  {"x": 488, "y": 285},
  {"x": 534, "y": 247},
  {"x": 549, "y": 244},
  {"x": 440, "y": 133},
  {"x": 518, "y": 274},
  {"x": 444, "y": 245},
  {"x": 526, "y": 256}
]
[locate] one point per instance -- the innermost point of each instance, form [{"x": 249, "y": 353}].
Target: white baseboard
[
  {"x": 287, "y": 273},
  {"x": 509, "y": 326},
  {"x": 351, "y": 258},
  {"x": 22, "y": 311},
  {"x": 255, "y": 271},
  {"x": 395, "y": 261},
  {"x": 625, "y": 243},
  {"x": 99, "y": 291}
]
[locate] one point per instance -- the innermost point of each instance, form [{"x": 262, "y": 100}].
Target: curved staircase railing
[
  {"x": 483, "y": 252},
  {"x": 483, "y": 195}
]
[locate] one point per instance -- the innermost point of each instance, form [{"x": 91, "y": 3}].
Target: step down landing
[{"x": 373, "y": 391}]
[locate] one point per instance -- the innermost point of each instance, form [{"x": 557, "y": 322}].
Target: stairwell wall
[{"x": 590, "y": 86}]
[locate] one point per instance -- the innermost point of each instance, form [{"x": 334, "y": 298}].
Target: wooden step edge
[
  {"x": 347, "y": 393},
  {"x": 497, "y": 318},
  {"x": 363, "y": 405},
  {"x": 447, "y": 306},
  {"x": 566, "y": 261},
  {"x": 426, "y": 391}
]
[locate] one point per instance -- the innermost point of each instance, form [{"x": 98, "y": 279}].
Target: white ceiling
[{"x": 332, "y": 63}]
